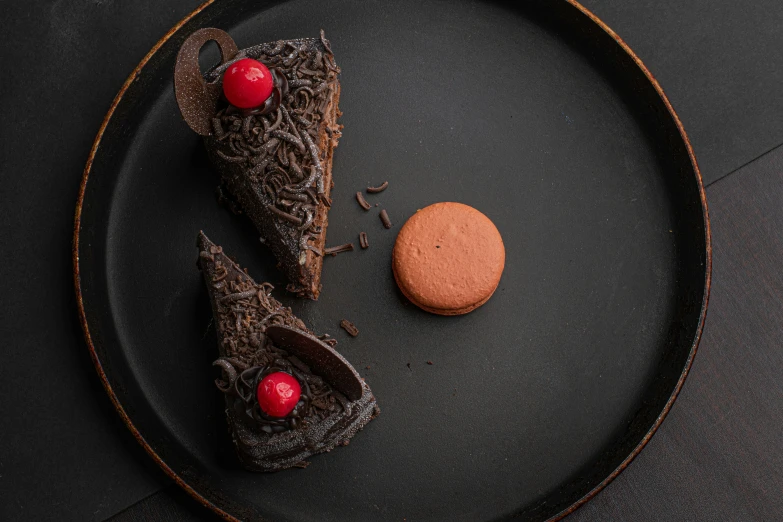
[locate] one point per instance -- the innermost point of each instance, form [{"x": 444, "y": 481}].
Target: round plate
[{"x": 537, "y": 115}]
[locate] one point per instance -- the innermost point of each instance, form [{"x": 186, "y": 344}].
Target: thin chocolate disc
[
  {"x": 320, "y": 357},
  {"x": 196, "y": 98}
]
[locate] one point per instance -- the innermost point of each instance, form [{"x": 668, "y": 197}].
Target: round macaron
[{"x": 448, "y": 258}]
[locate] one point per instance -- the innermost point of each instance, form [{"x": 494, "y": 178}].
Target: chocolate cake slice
[
  {"x": 264, "y": 347},
  {"x": 274, "y": 155}
]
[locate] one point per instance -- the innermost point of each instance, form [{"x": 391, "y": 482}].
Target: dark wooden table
[{"x": 719, "y": 454}]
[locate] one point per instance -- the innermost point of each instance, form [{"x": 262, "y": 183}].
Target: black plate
[{"x": 538, "y": 116}]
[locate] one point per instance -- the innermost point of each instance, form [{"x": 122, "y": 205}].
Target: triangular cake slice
[
  {"x": 274, "y": 160},
  {"x": 259, "y": 339}
]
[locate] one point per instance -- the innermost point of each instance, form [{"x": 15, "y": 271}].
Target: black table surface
[{"x": 66, "y": 455}]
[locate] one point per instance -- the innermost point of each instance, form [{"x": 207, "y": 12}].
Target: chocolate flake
[
  {"x": 380, "y": 188},
  {"x": 362, "y": 201},
  {"x": 349, "y": 327},
  {"x": 363, "y": 240},
  {"x": 347, "y": 247},
  {"x": 385, "y": 219}
]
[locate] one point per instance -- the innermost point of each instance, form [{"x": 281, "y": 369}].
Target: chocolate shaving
[
  {"x": 362, "y": 201},
  {"x": 293, "y": 197},
  {"x": 363, "y": 240},
  {"x": 285, "y": 215},
  {"x": 290, "y": 138},
  {"x": 325, "y": 42},
  {"x": 347, "y": 247},
  {"x": 239, "y": 295},
  {"x": 380, "y": 188},
  {"x": 385, "y": 219},
  {"x": 349, "y": 327}
]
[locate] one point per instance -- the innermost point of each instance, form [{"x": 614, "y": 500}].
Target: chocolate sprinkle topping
[
  {"x": 380, "y": 188},
  {"x": 363, "y": 240},
  {"x": 349, "y": 327},
  {"x": 347, "y": 247},
  {"x": 385, "y": 219},
  {"x": 362, "y": 201}
]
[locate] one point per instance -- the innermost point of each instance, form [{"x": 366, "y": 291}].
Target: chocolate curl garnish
[
  {"x": 231, "y": 373},
  {"x": 196, "y": 98}
]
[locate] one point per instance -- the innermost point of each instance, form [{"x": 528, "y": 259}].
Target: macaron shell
[
  {"x": 439, "y": 311},
  {"x": 448, "y": 258}
]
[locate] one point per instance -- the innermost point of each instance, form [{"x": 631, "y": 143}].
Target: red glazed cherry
[
  {"x": 247, "y": 83},
  {"x": 278, "y": 394}
]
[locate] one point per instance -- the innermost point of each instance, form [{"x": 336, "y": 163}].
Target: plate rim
[{"x": 203, "y": 500}]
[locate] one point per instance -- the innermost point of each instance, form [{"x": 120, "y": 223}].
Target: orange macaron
[{"x": 448, "y": 258}]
